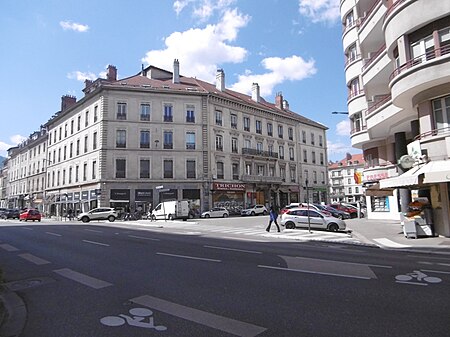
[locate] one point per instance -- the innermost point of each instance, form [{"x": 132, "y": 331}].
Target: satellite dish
[{"x": 406, "y": 162}]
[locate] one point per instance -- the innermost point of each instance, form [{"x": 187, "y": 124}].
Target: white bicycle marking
[{"x": 139, "y": 315}]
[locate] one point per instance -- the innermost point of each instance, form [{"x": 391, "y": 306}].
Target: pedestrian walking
[
  {"x": 273, "y": 218},
  {"x": 70, "y": 214}
]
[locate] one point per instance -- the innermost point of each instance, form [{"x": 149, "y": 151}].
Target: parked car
[
  {"x": 316, "y": 207},
  {"x": 298, "y": 217},
  {"x": 334, "y": 212},
  {"x": 102, "y": 213},
  {"x": 255, "y": 210},
  {"x": 362, "y": 208},
  {"x": 30, "y": 214},
  {"x": 12, "y": 213},
  {"x": 351, "y": 210},
  {"x": 3, "y": 213},
  {"x": 216, "y": 212},
  {"x": 288, "y": 207}
]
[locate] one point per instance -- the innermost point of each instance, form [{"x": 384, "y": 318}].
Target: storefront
[
  {"x": 230, "y": 196},
  {"x": 143, "y": 199},
  {"x": 120, "y": 199}
]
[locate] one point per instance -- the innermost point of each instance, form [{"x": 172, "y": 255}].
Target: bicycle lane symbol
[
  {"x": 138, "y": 319},
  {"x": 417, "y": 275}
]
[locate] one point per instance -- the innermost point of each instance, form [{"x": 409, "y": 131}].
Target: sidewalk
[{"x": 389, "y": 234}]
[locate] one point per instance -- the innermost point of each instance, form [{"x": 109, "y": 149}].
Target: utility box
[{"x": 409, "y": 229}]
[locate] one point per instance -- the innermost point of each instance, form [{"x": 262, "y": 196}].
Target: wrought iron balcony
[{"x": 259, "y": 153}]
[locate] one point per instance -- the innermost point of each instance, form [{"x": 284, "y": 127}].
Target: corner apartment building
[
  {"x": 199, "y": 141},
  {"x": 345, "y": 179},
  {"x": 398, "y": 78}
]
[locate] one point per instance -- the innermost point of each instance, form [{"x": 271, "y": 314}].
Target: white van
[{"x": 171, "y": 210}]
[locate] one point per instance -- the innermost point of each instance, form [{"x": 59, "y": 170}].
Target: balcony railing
[
  {"x": 261, "y": 178},
  {"x": 391, "y": 9},
  {"x": 384, "y": 100},
  {"x": 435, "y": 132},
  {"x": 356, "y": 130},
  {"x": 373, "y": 57},
  {"x": 369, "y": 13},
  {"x": 259, "y": 153},
  {"x": 430, "y": 55},
  {"x": 355, "y": 93}
]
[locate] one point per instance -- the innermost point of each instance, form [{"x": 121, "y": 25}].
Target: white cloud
[
  {"x": 203, "y": 9},
  {"x": 201, "y": 50},
  {"x": 14, "y": 140},
  {"x": 293, "y": 68},
  {"x": 320, "y": 10},
  {"x": 80, "y": 76},
  {"x": 343, "y": 128},
  {"x": 77, "y": 27},
  {"x": 335, "y": 148}
]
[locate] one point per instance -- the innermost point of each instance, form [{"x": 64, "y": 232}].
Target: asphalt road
[{"x": 101, "y": 280}]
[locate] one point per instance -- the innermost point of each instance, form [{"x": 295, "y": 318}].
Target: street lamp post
[
  {"x": 339, "y": 112},
  {"x": 307, "y": 203}
]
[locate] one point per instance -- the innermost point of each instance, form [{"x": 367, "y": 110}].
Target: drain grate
[{"x": 26, "y": 284}]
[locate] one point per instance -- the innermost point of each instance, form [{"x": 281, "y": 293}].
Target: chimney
[
  {"x": 176, "y": 71},
  {"x": 87, "y": 83},
  {"x": 255, "y": 92},
  {"x": 220, "y": 80},
  {"x": 67, "y": 101},
  {"x": 285, "y": 105},
  {"x": 279, "y": 100},
  {"x": 111, "y": 74}
]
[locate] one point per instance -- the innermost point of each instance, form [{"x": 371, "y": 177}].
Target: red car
[
  {"x": 352, "y": 211},
  {"x": 30, "y": 214}
]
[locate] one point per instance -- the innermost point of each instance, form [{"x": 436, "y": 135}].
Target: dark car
[
  {"x": 334, "y": 212},
  {"x": 12, "y": 213},
  {"x": 351, "y": 210}
]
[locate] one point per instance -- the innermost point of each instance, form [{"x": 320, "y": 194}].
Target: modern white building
[
  {"x": 398, "y": 77},
  {"x": 199, "y": 141}
]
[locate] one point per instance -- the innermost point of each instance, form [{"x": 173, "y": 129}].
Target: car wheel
[
  {"x": 153, "y": 217},
  {"x": 207, "y": 216},
  {"x": 290, "y": 225},
  {"x": 265, "y": 213},
  {"x": 111, "y": 218},
  {"x": 252, "y": 214},
  {"x": 170, "y": 217},
  {"x": 332, "y": 227},
  {"x": 340, "y": 216},
  {"x": 85, "y": 219},
  {"x": 39, "y": 220},
  {"x": 225, "y": 215}
]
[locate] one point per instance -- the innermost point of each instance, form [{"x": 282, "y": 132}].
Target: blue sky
[{"x": 50, "y": 47}]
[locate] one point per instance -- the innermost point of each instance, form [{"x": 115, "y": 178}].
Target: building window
[
  {"x": 269, "y": 129},
  {"x": 85, "y": 144},
  {"x": 281, "y": 151},
  {"x": 168, "y": 168},
  {"x": 313, "y": 141},
  {"x": 248, "y": 169},
  {"x": 246, "y": 124},
  {"x": 220, "y": 174},
  {"x": 94, "y": 141},
  {"x": 168, "y": 113},
  {"x": 356, "y": 190},
  {"x": 70, "y": 175},
  {"x": 234, "y": 145},
  {"x": 313, "y": 157},
  {"x": 283, "y": 173},
  {"x": 77, "y": 173},
  {"x": 270, "y": 149},
  {"x": 78, "y": 148},
  {"x": 144, "y": 168},
  {"x": 321, "y": 159},
  {"x": 305, "y": 156},
  {"x": 95, "y": 113},
  {"x": 84, "y": 171},
  {"x": 94, "y": 169},
  {"x": 190, "y": 114},
  {"x": 86, "y": 118},
  {"x": 145, "y": 112},
  {"x": 258, "y": 126},
  {"x": 65, "y": 133},
  {"x": 63, "y": 179},
  {"x": 60, "y": 133},
  {"x": 233, "y": 118},
  {"x": 291, "y": 133},
  {"x": 292, "y": 173},
  {"x": 354, "y": 88},
  {"x": 71, "y": 150},
  {"x": 441, "y": 113},
  {"x": 168, "y": 139},
  {"x": 291, "y": 153},
  {"x": 121, "y": 111},
  {"x": 190, "y": 169},
  {"x": 280, "y": 131},
  {"x": 235, "y": 171},
  {"x": 259, "y": 147},
  {"x": 64, "y": 154},
  {"x": 121, "y": 139},
  {"x": 260, "y": 170},
  {"x": 219, "y": 117},
  {"x": 190, "y": 140},
  {"x": 145, "y": 139},
  {"x": 71, "y": 126},
  {"x": 79, "y": 123},
  {"x": 219, "y": 143},
  {"x": 304, "y": 137},
  {"x": 121, "y": 168},
  {"x": 320, "y": 140}
]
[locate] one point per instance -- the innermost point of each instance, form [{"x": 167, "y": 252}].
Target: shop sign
[
  {"x": 120, "y": 194},
  {"x": 70, "y": 196},
  {"x": 376, "y": 176},
  {"x": 228, "y": 187},
  {"x": 143, "y": 195},
  {"x": 85, "y": 195},
  {"x": 76, "y": 196}
]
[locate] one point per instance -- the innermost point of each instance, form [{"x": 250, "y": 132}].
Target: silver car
[
  {"x": 101, "y": 213},
  {"x": 216, "y": 212},
  {"x": 298, "y": 217},
  {"x": 255, "y": 210}
]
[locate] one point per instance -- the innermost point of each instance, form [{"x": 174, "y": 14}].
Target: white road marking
[
  {"x": 314, "y": 272},
  {"x": 436, "y": 271},
  {"x": 54, "y": 234},
  {"x": 214, "y": 321},
  {"x": 143, "y": 238},
  {"x": 413, "y": 283},
  {"x": 389, "y": 243},
  {"x": 8, "y": 248},
  {"x": 34, "y": 259},
  {"x": 96, "y": 243},
  {"x": 235, "y": 250},
  {"x": 82, "y": 278},
  {"x": 28, "y": 229},
  {"x": 189, "y": 257},
  {"x": 93, "y": 230}
]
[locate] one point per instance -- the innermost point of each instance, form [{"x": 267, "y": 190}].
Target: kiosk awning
[
  {"x": 409, "y": 178},
  {"x": 437, "y": 171},
  {"x": 375, "y": 191}
]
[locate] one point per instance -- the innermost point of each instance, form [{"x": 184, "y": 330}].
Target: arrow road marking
[{"x": 225, "y": 324}]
